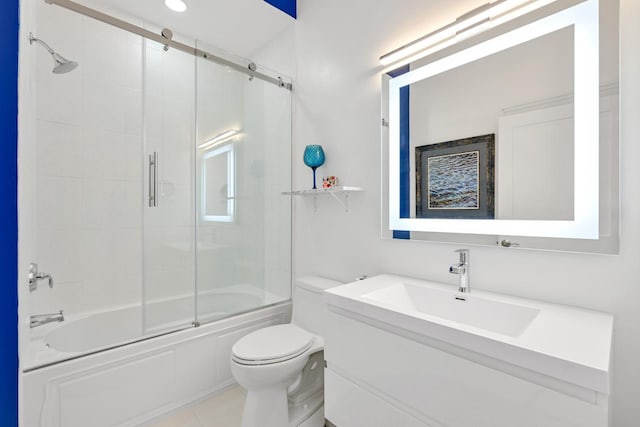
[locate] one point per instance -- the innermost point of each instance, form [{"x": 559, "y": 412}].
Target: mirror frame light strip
[
  {"x": 108, "y": 19},
  {"x": 585, "y": 225}
]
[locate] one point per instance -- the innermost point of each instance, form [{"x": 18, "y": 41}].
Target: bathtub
[
  {"x": 99, "y": 331},
  {"x": 104, "y": 369},
  {"x": 108, "y": 329}
]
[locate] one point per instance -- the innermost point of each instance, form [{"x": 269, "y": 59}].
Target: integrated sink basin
[
  {"x": 525, "y": 337},
  {"x": 495, "y": 316}
]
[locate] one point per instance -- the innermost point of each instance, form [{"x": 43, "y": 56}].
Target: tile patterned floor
[{"x": 221, "y": 410}]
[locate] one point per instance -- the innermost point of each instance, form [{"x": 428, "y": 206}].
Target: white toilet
[{"x": 282, "y": 366}]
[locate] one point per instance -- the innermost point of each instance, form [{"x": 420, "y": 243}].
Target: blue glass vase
[{"x": 314, "y": 158}]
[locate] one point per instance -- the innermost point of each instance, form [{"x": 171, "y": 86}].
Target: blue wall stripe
[
  {"x": 402, "y": 234},
  {"x": 399, "y": 71},
  {"x": 289, "y": 7},
  {"x": 405, "y": 167},
  {"x": 9, "y": 21}
]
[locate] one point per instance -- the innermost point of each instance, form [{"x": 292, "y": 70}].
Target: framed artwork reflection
[{"x": 455, "y": 179}]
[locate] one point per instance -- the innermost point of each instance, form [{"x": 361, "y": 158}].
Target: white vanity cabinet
[{"x": 384, "y": 370}]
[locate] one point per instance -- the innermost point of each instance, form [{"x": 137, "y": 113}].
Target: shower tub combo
[
  {"x": 115, "y": 375},
  {"x": 168, "y": 239}
]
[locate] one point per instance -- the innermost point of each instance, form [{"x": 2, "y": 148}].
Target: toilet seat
[{"x": 272, "y": 345}]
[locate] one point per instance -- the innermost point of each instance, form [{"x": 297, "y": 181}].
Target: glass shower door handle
[{"x": 153, "y": 179}]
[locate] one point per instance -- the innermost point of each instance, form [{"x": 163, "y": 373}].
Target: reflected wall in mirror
[
  {"x": 218, "y": 184},
  {"x": 520, "y": 85},
  {"x": 534, "y": 161}
]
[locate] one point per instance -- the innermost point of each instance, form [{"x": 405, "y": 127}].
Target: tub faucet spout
[
  {"x": 462, "y": 270},
  {"x": 43, "y": 319}
]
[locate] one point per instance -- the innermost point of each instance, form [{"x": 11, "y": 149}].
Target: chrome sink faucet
[
  {"x": 43, "y": 319},
  {"x": 462, "y": 270}
]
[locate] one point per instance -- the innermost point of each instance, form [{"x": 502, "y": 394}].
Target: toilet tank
[{"x": 309, "y": 309}]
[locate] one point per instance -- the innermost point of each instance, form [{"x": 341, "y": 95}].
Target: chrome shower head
[{"x": 61, "y": 64}]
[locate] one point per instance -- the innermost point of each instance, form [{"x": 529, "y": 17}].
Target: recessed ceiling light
[{"x": 176, "y": 5}]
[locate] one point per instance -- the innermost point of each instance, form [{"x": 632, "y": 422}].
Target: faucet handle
[
  {"x": 49, "y": 277},
  {"x": 35, "y": 276}
]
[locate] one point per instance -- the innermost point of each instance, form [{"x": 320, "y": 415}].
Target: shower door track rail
[{"x": 249, "y": 69}]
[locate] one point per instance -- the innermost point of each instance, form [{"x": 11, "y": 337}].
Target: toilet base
[
  {"x": 315, "y": 420},
  {"x": 266, "y": 407},
  {"x": 270, "y": 408}
]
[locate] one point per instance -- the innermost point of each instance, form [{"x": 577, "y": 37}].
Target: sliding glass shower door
[
  {"x": 217, "y": 157},
  {"x": 243, "y": 163},
  {"x": 169, "y": 249}
]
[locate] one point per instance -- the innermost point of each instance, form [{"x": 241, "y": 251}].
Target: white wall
[
  {"x": 338, "y": 106},
  {"x": 454, "y": 105}
]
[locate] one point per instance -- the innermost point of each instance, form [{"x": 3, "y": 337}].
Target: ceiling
[{"x": 240, "y": 27}]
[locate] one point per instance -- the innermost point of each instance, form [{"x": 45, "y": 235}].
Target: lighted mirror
[
  {"x": 502, "y": 137},
  {"x": 218, "y": 184}
]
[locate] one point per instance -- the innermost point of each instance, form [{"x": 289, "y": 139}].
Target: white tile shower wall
[
  {"x": 338, "y": 106},
  {"x": 88, "y": 165}
]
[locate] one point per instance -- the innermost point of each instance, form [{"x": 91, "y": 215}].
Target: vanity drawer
[
  {"x": 438, "y": 388},
  {"x": 347, "y": 404}
]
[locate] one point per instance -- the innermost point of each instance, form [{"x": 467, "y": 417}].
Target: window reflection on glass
[{"x": 218, "y": 184}]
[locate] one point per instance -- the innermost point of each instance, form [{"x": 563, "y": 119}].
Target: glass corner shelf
[{"x": 334, "y": 192}]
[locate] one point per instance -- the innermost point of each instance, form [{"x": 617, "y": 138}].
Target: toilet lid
[{"x": 272, "y": 344}]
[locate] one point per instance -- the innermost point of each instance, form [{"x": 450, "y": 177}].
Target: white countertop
[{"x": 565, "y": 343}]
